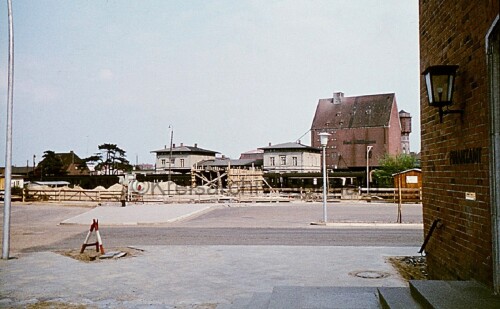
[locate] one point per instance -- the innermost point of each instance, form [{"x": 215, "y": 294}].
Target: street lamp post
[
  {"x": 368, "y": 149},
  {"x": 324, "y": 141},
  {"x": 8, "y": 144},
  {"x": 170, "y": 158}
]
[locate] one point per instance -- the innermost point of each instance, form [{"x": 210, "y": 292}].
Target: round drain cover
[{"x": 370, "y": 274}]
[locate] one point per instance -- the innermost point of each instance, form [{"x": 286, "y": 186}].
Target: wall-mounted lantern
[{"x": 440, "y": 80}]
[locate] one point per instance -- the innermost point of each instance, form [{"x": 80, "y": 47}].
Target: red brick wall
[
  {"x": 354, "y": 155},
  {"x": 453, "y": 32}
]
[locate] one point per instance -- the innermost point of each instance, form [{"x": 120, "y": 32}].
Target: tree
[
  {"x": 110, "y": 159},
  {"x": 390, "y": 165},
  {"x": 51, "y": 165}
]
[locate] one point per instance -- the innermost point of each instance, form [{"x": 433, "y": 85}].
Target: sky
[{"x": 230, "y": 76}]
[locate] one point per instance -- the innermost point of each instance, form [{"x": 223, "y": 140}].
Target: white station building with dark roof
[
  {"x": 291, "y": 158},
  {"x": 180, "y": 159}
]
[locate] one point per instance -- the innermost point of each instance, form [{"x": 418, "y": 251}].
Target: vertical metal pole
[
  {"x": 399, "y": 199},
  {"x": 367, "y": 172},
  {"x": 8, "y": 148},
  {"x": 368, "y": 148},
  {"x": 324, "y": 184},
  {"x": 170, "y": 158}
]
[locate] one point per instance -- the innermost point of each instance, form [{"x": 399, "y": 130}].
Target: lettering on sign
[{"x": 465, "y": 156}]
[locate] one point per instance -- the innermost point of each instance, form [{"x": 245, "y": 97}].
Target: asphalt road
[
  {"x": 35, "y": 228},
  {"x": 150, "y": 236}
]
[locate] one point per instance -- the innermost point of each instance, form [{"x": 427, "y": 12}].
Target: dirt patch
[
  {"x": 55, "y": 305},
  {"x": 90, "y": 255},
  {"x": 197, "y": 306},
  {"x": 59, "y": 305},
  {"x": 410, "y": 267}
]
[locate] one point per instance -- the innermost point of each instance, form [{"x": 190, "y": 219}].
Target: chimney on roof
[
  {"x": 173, "y": 145},
  {"x": 182, "y": 144},
  {"x": 270, "y": 144},
  {"x": 195, "y": 145},
  {"x": 337, "y": 97}
]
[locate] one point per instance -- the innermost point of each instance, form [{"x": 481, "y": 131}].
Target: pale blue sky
[{"x": 231, "y": 76}]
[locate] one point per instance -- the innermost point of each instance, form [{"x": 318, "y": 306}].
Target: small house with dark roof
[
  {"x": 257, "y": 154},
  {"x": 291, "y": 158},
  {"x": 181, "y": 159},
  {"x": 356, "y": 123},
  {"x": 73, "y": 164}
]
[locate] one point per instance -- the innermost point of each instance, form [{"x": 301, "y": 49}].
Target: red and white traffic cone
[{"x": 98, "y": 243}]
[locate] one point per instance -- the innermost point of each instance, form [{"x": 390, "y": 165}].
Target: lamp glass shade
[
  {"x": 323, "y": 138},
  {"x": 439, "y": 81}
]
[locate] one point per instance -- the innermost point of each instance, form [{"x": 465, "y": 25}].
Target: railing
[
  {"x": 308, "y": 195},
  {"x": 408, "y": 195},
  {"x": 435, "y": 224},
  {"x": 72, "y": 195}
]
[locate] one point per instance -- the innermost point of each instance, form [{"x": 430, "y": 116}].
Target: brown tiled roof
[
  {"x": 69, "y": 158},
  {"x": 354, "y": 112}
]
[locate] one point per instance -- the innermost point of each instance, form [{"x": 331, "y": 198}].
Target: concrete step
[
  {"x": 296, "y": 297},
  {"x": 397, "y": 298},
  {"x": 453, "y": 294}
]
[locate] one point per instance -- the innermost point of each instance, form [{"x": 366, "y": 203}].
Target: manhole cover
[{"x": 369, "y": 274}]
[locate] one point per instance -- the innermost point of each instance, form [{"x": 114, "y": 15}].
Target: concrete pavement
[
  {"x": 135, "y": 214},
  {"x": 166, "y": 276},
  {"x": 187, "y": 276}
]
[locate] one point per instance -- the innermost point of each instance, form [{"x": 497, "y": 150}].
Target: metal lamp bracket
[{"x": 448, "y": 111}]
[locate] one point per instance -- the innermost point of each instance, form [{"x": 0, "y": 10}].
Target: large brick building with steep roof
[{"x": 354, "y": 124}]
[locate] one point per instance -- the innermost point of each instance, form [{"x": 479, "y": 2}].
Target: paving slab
[
  {"x": 293, "y": 297},
  {"x": 137, "y": 214},
  {"x": 164, "y": 276}
]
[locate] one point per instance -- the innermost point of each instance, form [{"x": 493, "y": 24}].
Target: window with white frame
[{"x": 282, "y": 160}]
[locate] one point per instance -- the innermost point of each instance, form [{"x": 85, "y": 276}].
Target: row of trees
[{"x": 110, "y": 160}]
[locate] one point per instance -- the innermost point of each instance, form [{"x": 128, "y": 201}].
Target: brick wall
[{"x": 453, "y": 32}]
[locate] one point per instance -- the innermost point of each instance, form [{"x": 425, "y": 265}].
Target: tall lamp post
[
  {"x": 323, "y": 140},
  {"x": 170, "y": 158},
  {"x": 368, "y": 149},
  {"x": 8, "y": 144}
]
